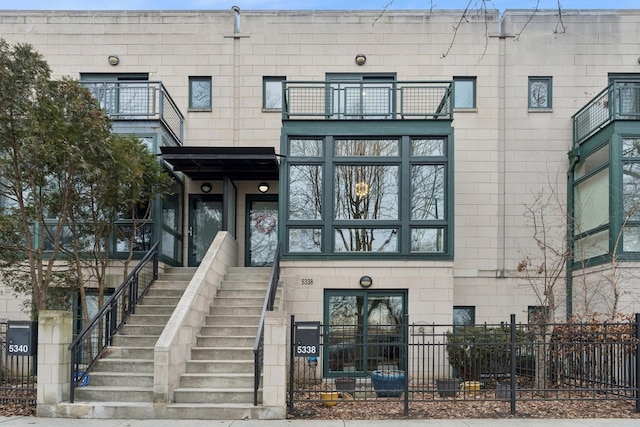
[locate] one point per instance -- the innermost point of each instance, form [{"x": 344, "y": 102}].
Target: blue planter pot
[{"x": 388, "y": 383}]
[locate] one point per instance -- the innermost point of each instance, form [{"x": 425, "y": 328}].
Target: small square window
[
  {"x": 539, "y": 93},
  {"x": 464, "y": 92},
  {"x": 464, "y": 315},
  {"x": 272, "y": 93},
  {"x": 200, "y": 93},
  {"x": 536, "y": 314}
]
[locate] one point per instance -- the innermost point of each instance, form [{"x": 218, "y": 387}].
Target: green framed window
[
  {"x": 631, "y": 194},
  {"x": 540, "y": 93},
  {"x": 465, "y": 92},
  {"x": 200, "y": 93},
  {"x": 272, "y": 93},
  {"x": 363, "y": 331},
  {"x": 368, "y": 196}
]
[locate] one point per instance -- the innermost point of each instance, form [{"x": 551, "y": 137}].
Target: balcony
[
  {"x": 384, "y": 100},
  {"x": 619, "y": 101},
  {"x": 139, "y": 100}
]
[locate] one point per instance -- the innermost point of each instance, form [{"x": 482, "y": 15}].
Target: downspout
[
  {"x": 574, "y": 158},
  {"x": 236, "y": 75}
]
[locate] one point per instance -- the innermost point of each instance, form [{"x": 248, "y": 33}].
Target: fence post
[
  {"x": 405, "y": 362},
  {"x": 291, "y": 352},
  {"x": 55, "y": 333},
  {"x": 513, "y": 364},
  {"x": 637, "y": 362}
]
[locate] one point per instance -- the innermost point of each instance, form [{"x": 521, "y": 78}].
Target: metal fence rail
[
  {"x": 18, "y": 378},
  {"x": 507, "y": 362}
]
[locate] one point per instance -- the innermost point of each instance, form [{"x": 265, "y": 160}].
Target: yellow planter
[
  {"x": 471, "y": 386},
  {"x": 329, "y": 398}
]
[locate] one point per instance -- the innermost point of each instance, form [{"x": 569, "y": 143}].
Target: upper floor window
[
  {"x": 200, "y": 94},
  {"x": 540, "y": 93},
  {"x": 272, "y": 93},
  {"x": 345, "y": 195},
  {"x": 465, "y": 92}
]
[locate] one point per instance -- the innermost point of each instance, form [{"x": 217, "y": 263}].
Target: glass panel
[
  {"x": 591, "y": 163},
  {"x": 539, "y": 93},
  {"x": 273, "y": 93},
  {"x": 631, "y": 239},
  {"x": 141, "y": 237},
  {"x": 369, "y": 100},
  {"x": 464, "y": 93},
  {"x": 305, "y": 192},
  {"x": 206, "y": 222},
  {"x": 427, "y": 192},
  {"x": 200, "y": 93},
  {"x": 631, "y": 191},
  {"x": 591, "y": 246},
  {"x": 263, "y": 223},
  {"x": 346, "y": 333},
  {"x": 427, "y": 240},
  {"x": 363, "y": 147},
  {"x": 427, "y": 147},
  {"x": 384, "y": 333},
  {"x": 631, "y": 147},
  {"x": 305, "y": 240},
  {"x": 366, "y": 192},
  {"x": 592, "y": 202},
  {"x": 305, "y": 148},
  {"x": 366, "y": 240},
  {"x": 464, "y": 316},
  {"x": 169, "y": 245}
]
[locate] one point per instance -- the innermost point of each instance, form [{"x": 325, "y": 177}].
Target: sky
[{"x": 307, "y": 4}]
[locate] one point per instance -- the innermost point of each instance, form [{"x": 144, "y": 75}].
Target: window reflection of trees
[{"x": 631, "y": 193}]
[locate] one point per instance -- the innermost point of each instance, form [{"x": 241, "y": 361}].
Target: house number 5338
[{"x": 306, "y": 282}]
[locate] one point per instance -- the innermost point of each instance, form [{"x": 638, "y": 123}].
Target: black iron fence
[
  {"x": 17, "y": 377},
  {"x": 507, "y": 362}
]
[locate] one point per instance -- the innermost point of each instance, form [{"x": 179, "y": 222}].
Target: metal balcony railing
[
  {"x": 618, "y": 101},
  {"x": 349, "y": 100},
  {"x": 139, "y": 100}
]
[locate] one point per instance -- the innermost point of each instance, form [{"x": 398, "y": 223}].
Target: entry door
[
  {"x": 262, "y": 230},
  {"x": 205, "y": 220}
]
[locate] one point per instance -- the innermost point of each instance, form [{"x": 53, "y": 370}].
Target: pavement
[{"x": 519, "y": 422}]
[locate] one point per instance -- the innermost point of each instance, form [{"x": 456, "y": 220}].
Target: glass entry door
[
  {"x": 205, "y": 220},
  {"x": 262, "y": 230}
]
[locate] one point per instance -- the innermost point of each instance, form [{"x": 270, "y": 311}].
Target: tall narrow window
[
  {"x": 200, "y": 93},
  {"x": 272, "y": 93},
  {"x": 465, "y": 92},
  {"x": 540, "y": 93}
]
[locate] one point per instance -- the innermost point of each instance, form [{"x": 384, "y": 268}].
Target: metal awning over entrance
[{"x": 217, "y": 163}]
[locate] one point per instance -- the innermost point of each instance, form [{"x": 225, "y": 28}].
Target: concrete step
[
  {"x": 231, "y": 301},
  {"x": 220, "y": 331},
  {"x": 170, "y": 284},
  {"x": 244, "y": 285},
  {"x": 241, "y": 293},
  {"x": 148, "y": 319},
  {"x": 155, "y": 309},
  {"x": 221, "y": 353},
  {"x": 163, "y": 300},
  {"x": 219, "y": 380},
  {"x": 219, "y": 366},
  {"x": 232, "y": 320},
  {"x": 215, "y": 411},
  {"x": 164, "y": 292},
  {"x": 115, "y": 393},
  {"x": 226, "y": 341},
  {"x": 112, "y": 364},
  {"x": 121, "y": 379},
  {"x": 218, "y": 395},
  {"x": 135, "y": 340},
  {"x": 174, "y": 274},
  {"x": 145, "y": 353},
  {"x": 240, "y": 310},
  {"x": 154, "y": 330}
]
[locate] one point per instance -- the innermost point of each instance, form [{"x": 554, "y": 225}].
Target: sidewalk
[{"x": 67, "y": 422}]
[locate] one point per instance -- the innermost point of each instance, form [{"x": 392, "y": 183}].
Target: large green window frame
[
  {"x": 363, "y": 331},
  {"x": 368, "y": 196}
]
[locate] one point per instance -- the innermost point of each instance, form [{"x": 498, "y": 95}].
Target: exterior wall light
[
  {"x": 206, "y": 187},
  {"x": 366, "y": 281},
  {"x": 361, "y": 59},
  {"x": 113, "y": 59},
  {"x": 263, "y": 187}
]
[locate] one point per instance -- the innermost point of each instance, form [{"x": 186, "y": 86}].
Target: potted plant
[
  {"x": 388, "y": 383},
  {"x": 447, "y": 387}
]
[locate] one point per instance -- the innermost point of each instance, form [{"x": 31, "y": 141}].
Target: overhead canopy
[{"x": 216, "y": 163}]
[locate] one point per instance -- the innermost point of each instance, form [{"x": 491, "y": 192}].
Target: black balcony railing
[
  {"x": 618, "y": 101},
  {"x": 139, "y": 100},
  {"x": 349, "y": 100}
]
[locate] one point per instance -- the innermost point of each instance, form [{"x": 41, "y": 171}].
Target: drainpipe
[
  {"x": 236, "y": 12},
  {"x": 573, "y": 160}
]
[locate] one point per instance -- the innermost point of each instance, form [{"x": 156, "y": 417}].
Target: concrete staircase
[
  {"x": 218, "y": 383},
  {"x": 125, "y": 373}
]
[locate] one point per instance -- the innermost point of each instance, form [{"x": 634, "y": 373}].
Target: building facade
[{"x": 401, "y": 160}]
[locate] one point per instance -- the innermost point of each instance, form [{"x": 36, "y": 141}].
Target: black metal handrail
[
  {"x": 269, "y": 300},
  {"x": 97, "y": 335}
]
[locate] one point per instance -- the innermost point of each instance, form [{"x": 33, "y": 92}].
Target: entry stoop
[{"x": 125, "y": 372}]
